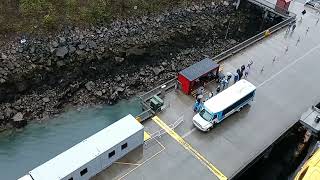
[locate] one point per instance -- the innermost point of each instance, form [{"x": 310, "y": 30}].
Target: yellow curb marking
[{"x": 188, "y": 147}]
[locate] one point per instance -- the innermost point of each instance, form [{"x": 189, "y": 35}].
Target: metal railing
[
  {"x": 145, "y": 115},
  {"x": 222, "y": 56},
  {"x": 156, "y": 91},
  {"x": 171, "y": 126},
  {"x": 161, "y": 132}
]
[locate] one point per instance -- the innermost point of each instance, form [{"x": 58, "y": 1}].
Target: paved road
[{"x": 285, "y": 89}]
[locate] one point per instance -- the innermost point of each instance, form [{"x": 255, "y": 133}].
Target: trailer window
[
  {"x": 123, "y": 146},
  {"x": 83, "y": 172},
  {"x": 112, "y": 153}
]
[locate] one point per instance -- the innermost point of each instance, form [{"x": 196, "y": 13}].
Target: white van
[{"x": 224, "y": 104}]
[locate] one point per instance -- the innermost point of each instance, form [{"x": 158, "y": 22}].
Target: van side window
[
  {"x": 83, "y": 172},
  {"x": 112, "y": 153},
  {"x": 236, "y": 104},
  {"x": 123, "y": 146},
  {"x": 214, "y": 116}
]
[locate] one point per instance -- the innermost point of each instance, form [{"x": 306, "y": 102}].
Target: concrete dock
[{"x": 286, "y": 87}]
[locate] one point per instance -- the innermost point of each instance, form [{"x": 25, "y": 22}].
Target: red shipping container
[{"x": 188, "y": 77}]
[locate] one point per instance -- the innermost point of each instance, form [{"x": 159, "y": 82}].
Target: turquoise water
[{"x": 21, "y": 151}]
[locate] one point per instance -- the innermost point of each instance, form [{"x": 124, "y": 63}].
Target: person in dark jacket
[
  {"x": 218, "y": 89},
  {"x": 196, "y": 105},
  {"x": 243, "y": 67},
  {"x": 238, "y": 71},
  {"x": 240, "y": 74},
  {"x": 294, "y": 27},
  {"x": 250, "y": 64},
  {"x": 235, "y": 77}
]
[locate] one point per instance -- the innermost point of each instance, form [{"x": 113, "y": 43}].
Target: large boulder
[
  {"x": 81, "y": 46},
  {"x": 119, "y": 59},
  {"x": 62, "y": 40},
  {"x": 18, "y": 120},
  {"x": 62, "y": 51},
  {"x": 55, "y": 44},
  {"x": 17, "y": 117},
  {"x": 89, "y": 85},
  {"x": 8, "y": 112},
  {"x": 157, "y": 70},
  {"x": 3, "y": 56},
  {"x": 92, "y": 45},
  {"x": 46, "y": 99}
]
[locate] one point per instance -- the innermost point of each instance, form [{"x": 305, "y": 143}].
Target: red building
[
  {"x": 194, "y": 76},
  {"x": 282, "y": 5}
]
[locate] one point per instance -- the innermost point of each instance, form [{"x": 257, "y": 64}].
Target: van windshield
[{"x": 205, "y": 115}]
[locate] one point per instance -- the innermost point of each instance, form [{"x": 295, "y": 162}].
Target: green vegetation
[{"x": 35, "y": 15}]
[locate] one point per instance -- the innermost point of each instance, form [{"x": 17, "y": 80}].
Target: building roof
[
  {"x": 229, "y": 96},
  {"x": 26, "y": 177},
  {"x": 82, "y": 153},
  {"x": 198, "y": 69},
  {"x": 66, "y": 162},
  {"x": 115, "y": 133}
]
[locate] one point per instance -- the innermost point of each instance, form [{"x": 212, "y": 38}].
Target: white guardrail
[{"x": 161, "y": 132}]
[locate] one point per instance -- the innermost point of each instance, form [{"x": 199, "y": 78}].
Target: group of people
[
  {"x": 198, "y": 104},
  {"x": 241, "y": 72},
  {"x": 200, "y": 99},
  {"x": 292, "y": 26}
]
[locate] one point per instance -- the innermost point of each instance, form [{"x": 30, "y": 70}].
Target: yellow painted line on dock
[
  {"x": 147, "y": 160},
  {"x": 146, "y": 136},
  {"x": 188, "y": 147}
]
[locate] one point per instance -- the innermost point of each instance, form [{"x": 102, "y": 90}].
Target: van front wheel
[{"x": 213, "y": 125}]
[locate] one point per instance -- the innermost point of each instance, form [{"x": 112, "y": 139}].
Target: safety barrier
[
  {"x": 156, "y": 91},
  {"x": 148, "y": 112},
  {"x": 161, "y": 132},
  {"x": 172, "y": 126},
  {"x": 222, "y": 56},
  {"x": 145, "y": 115}
]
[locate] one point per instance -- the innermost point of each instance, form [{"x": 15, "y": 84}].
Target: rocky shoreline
[{"x": 42, "y": 76}]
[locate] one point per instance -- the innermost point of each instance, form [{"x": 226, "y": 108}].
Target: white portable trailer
[
  {"x": 94, "y": 154},
  {"x": 123, "y": 136},
  {"x": 26, "y": 177}
]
